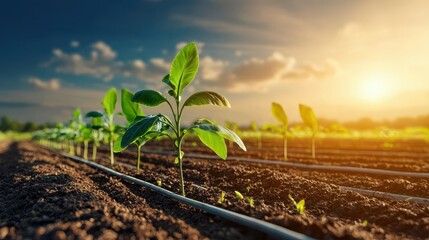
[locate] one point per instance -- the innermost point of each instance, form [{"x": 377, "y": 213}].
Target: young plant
[
  {"x": 310, "y": 120},
  {"x": 96, "y": 131},
  {"x": 258, "y": 133},
  {"x": 131, "y": 111},
  {"x": 280, "y": 115},
  {"x": 251, "y": 201},
  {"x": 109, "y": 104},
  {"x": 183, "y": 70},
  {"x": 300, "y": 206},
  {"x": 238, "y": 195},
  {"x": 221, "y": 198}
]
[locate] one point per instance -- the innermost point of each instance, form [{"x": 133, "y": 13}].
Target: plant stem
[
  {"x": 285, "y": 146},
  {"x": 71, "y": 148},
  {"x": 179, "y": 146},
  {"x": 85, "y": 150},
  {"x": 138, "y": 157},
  {"x": 313, "y": 147},
  {"x": 112, "y": 159},
  {"x": 94, "y": 151},
  {"x": 78, "y": 149}
]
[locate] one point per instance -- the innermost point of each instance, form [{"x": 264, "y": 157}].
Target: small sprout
[
  {"x": 251, "y": 202},
  {"x": 309, "y": 118},
  {"x": 159, "y": 182},
  {"x": 281, "y": 116},
  {"x": 222, "y": 198},
  {"x": 248, "y": 189},
  {"x": 194, "y": 144},
  {"x": 238, "y": 195},
  {"x": 365, "y": 223},
  {"x": 300, "y": 206}
]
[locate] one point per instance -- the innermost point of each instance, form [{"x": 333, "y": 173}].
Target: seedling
[
  {"x": 159, "y": 182},
  {"x": 251, "y": 201},
  {"x": 258, "y": 133},
  {"x": 109, "y": 104},
  {"x": 238, "y": 195},
  {"x": 364, "y": 223},
  {"x": 131, "y": 111},
  {"x": 222, "y": 198},
  {"x": 300, "y": 206},
  {"x": 280, "y": 115},
  {"x": 310, "y": 120},
  {"x": 183, "y": 70},
  {"x": 96, "y": 134}
]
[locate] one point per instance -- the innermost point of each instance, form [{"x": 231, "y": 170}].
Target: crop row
[{"x": 99, "y": 126}]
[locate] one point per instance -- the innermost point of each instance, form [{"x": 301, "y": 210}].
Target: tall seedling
[
  {"x": 309, "y": 118},
  {"x": 280, "y": 115},
  {"x": 183, "y": 70},
  {"x": 109, "y": 104},
  {"x": 131, "y": 111},
  {"x": 96, "y": 127}
]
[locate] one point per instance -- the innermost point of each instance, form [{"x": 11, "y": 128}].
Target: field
[{"x": 48, "y": 195}]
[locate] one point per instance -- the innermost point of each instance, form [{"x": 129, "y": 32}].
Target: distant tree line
[{"x": 8, "y": 124}]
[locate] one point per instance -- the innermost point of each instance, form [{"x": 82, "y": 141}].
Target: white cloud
[
  {"x": 74, "y": 44},
  {"x": 181, "y": 45},
  {"x": 327, "y": 69},
  {"x": 211, "y": 69},
  {"x": 258, "y": 74},
  {"x": 105, "y": 50},
  {"x": 52, "y": 84},
  {"x": 160, "y": 63}
]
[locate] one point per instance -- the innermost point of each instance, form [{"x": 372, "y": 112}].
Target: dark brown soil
[
  {"x": 299, "y": 151},
  {"x": 44, "y": 196},
  {"x": 331, "y": 212}
]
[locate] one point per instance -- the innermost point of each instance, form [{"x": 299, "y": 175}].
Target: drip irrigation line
[
  {"x": 304, "y": 165},
  {"x": 253, "y": 223},
  {"x": 392, "y": 196}
]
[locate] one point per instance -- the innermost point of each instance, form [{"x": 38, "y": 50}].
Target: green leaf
[
  {"x": 144, "y": 129},
  {"x": 77, "y": 115},
  {"x": 130, "y": 109},
  {"x": 300, "y": 207},
  {"x": 149, "y": 98},
  {"x": 147, "y": 137},
  {"x": 207, "y": 98},
  {"x": 184, "y": 67},
  {"x": 166, "y": 80},
  {"x": 117, "y": 145},
  {"x": 93, "y": 114},
  {"x": 87, "y": 133},
  {"x": 309, "y": 117},
  {"x": 279, "y": 114},
  {"x": 212, "y": 140},
  {"x": 238, "y": 195},
  {"x": 109, "y": 101},
  {"x": 207, "y": 125}
]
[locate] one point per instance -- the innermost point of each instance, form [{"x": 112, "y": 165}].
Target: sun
[{"x": 374, "y": 88}]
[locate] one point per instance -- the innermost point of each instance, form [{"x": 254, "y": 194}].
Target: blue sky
[{"x": 344, "y": 58}]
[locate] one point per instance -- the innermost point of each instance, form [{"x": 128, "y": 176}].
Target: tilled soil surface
[
  {"x": 330, "y": 211},
  {"x": 326, "y": 152},
  {"x": 45, "y": 196}
]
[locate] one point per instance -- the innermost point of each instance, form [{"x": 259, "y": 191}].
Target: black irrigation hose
[
  {"x": 304, "y": 165},
  {"x": 268, "y": 228}
]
